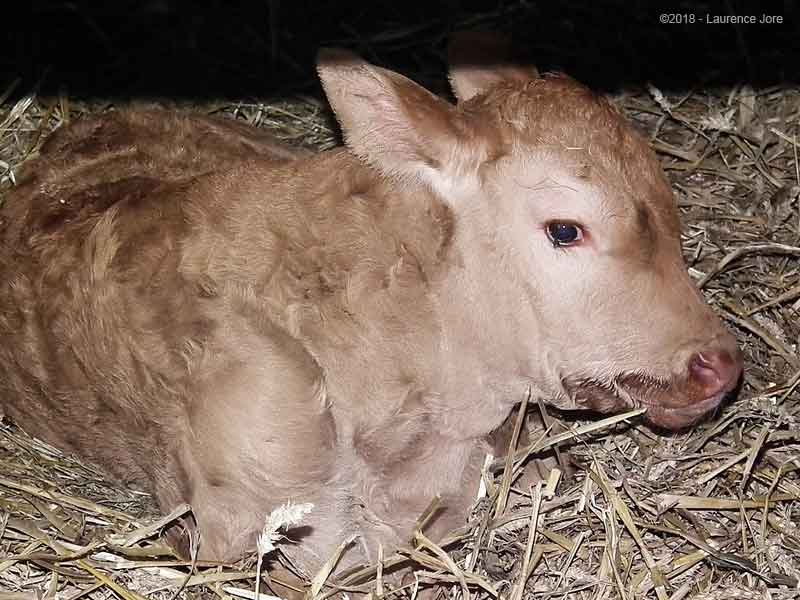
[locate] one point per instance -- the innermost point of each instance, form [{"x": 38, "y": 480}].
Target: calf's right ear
[{"x": 392, "y": 123}]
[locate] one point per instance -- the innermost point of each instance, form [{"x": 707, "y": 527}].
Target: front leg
[{"x": 258, "y": 433}]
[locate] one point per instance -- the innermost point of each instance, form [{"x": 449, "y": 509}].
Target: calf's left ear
[
  {"x": 480, "y": 60},
  {"x": 392, "y": 123}
]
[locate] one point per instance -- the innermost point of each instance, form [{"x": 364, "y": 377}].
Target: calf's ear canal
[
  {"x": 481, "y": 60},
  {"x": 392, "y": 123}
]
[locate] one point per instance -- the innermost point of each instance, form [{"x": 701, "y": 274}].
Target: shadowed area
[{"x": 178, "y": 48}]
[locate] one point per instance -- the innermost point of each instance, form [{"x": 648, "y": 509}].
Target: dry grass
[{"x": 711, "y": 513}]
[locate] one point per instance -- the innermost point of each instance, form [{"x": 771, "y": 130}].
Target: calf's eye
[{"x": 564, "y": 233}]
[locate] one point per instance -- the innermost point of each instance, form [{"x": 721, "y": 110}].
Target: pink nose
[{"x": 715, "y": 372}]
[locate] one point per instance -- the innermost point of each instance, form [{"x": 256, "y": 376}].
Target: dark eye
[{"x": 564, "y": 234}]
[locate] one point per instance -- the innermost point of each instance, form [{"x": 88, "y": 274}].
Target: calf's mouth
[{"x": 672, "y": 403}]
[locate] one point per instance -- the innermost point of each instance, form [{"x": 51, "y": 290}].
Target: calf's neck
[{"x": 232, "y": 324}]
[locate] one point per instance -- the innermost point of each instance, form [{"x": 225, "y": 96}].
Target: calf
[{"x": 346, "y": 328}]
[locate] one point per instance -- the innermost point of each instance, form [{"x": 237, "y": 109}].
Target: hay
[{"x": 711, "y": 513}]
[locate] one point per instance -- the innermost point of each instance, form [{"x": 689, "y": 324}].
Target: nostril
[
  {"x": 702, "y": 370},
  {"x": 714, "y": 371}
]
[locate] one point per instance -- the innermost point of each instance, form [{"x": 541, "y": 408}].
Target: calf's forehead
[{"x": 582, "y": 136}]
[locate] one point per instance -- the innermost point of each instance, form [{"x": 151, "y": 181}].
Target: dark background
[{"x": 218, "y": 49}]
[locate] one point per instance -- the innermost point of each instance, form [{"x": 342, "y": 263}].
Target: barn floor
[{"x": 709, "y": 513}]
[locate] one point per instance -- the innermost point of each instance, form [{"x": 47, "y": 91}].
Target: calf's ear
[
  {"x": 392, "y": 123},
  {"x": 481, "y": 60}
]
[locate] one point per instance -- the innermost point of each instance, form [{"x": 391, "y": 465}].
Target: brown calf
[{"x": 233, "y": 329}]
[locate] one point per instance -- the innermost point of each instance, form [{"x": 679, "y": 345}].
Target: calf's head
[{"x": 566, "y": 241}]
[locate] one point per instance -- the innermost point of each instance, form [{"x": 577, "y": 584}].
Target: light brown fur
[{"x": 237, "y": 326}]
